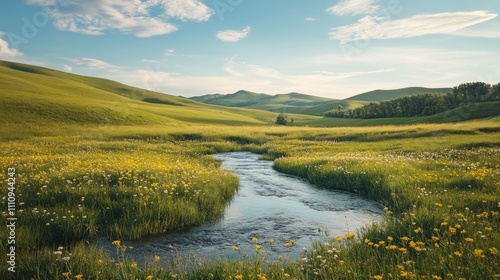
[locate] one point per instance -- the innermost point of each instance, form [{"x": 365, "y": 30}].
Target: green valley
[{"x": 91, "y": 161}]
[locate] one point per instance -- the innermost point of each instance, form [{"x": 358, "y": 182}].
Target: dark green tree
[{"x": 282, "y": 119}]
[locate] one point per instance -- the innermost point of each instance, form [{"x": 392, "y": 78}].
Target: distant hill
[
  {"x": 298, "y": 103},
  {"x": 382, "y": 95},
  {"x": 277, "y": 103},
  {"x": 34, "y": 96},
  {"x": 467, "y": 113},
  {"x": 343, "y": 105}
]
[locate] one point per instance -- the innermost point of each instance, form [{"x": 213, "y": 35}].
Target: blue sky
[{"x": 331, "y": 48}]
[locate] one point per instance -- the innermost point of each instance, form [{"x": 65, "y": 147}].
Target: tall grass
[{"x": 70, "y": 190}]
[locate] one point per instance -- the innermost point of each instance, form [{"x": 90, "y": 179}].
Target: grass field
[
  {"x": 440, "y": 184},
  {"x": 93, "y": 159}
]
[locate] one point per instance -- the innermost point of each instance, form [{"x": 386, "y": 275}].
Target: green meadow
[{"x": 96, "y": 159}]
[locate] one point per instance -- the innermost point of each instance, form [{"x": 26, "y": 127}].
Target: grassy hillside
[
  {"x": 290, "y": 102},
  {"x": 382, "y": 95},
  {"x": 334, "y": 105},
  {"x": 470, "y": 112},
  {"x": 40, "y": 96}
]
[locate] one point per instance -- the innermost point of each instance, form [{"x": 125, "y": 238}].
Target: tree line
[{"x": 423, "y": 104}]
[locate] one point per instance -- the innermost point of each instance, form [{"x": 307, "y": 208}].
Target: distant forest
[{"x": 423, "y": 104}]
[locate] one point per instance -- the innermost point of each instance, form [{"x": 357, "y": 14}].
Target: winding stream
[{"x": 268, "y": 205}]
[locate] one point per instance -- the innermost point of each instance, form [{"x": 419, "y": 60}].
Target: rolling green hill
[
  {"x": 334, "y": 105},
  {"x": 297, "y": 103},
  {"x": 33, "y": 95},
  {"x": 291, "y": 102},
  {"x": 382, "y": 95},
  {"x": 469, "y": 112}
]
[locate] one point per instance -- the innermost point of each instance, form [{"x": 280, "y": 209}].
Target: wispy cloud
[
  {"x": 492, "y": 31},
  {"x": 170, "y": 52},
  {"x": 242, "y": 75},
  {"x": 233, "y": 35},
  {"x": 354, "y": 7},
  {"x": 310, "y": 19},
  {"x": 6, "y": 51},
  {"x": 141, "y": 18},
  {"x": 93, "y": 63},
  {"x": 414, "y": 56},
  {"x": 192, "y": 10},
  {"x": 67, "y": 68},
  {"x": 416, "y": 66},
  {"x": 371, "y": 27},
  {"x": 347, "y": 75}
]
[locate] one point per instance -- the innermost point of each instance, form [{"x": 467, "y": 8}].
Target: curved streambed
[{"x": 268, "y": 205}]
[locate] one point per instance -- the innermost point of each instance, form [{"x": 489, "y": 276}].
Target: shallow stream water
[{"x": 268, "y": 205}]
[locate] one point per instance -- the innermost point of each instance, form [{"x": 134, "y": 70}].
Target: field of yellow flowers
[
  {"x": 440, "y": 186},
  {"x": 72, "y": 191}
]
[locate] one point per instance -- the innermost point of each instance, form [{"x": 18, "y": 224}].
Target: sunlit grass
[{"x": 440, "y": 184}]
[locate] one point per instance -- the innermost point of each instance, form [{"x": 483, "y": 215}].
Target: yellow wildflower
[{"x": 478, "y": 253}]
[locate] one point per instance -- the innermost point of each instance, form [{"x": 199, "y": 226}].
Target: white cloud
[
  {"x": 67, "y": 68},
  {"x": 233, "y": 35},
  {"x": 187, "y": 10},
  {"x": 354, "y": 7},
  {"x": 143, "y": 18},
  {"x": 491, "y": 31},
  {"x": 416, "y": 66},
  {"x": 6, "y": 51},
  {"x": 347, "y": 75},
  {"x": 371, "y": 27},
  {"x": 93, "y": 63},
  {"x": 169, "y": 52},
  {"x": 414, "y": 57},
  {"x": 310, "y": 19}
]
